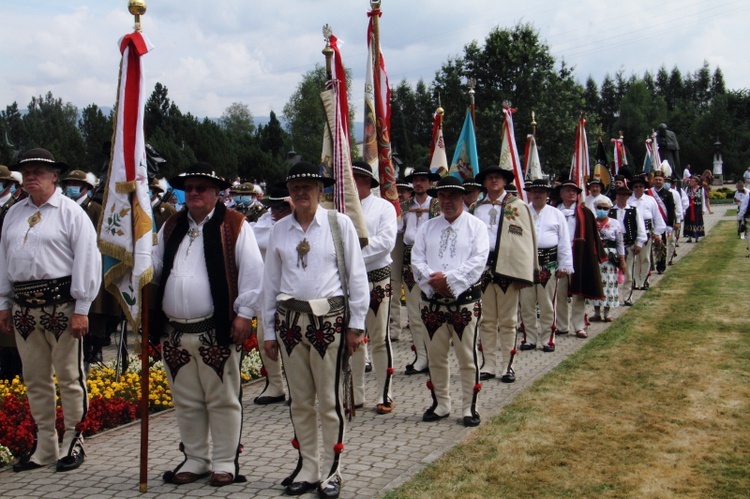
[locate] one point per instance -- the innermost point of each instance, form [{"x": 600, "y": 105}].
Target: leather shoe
[
  {"x": 71, "y": 462},
  {"x": 331, "y": 490},
  {"x": 25, "y": 466},
  {"x": 528, "y": 346},
  {"x": 486, "y": 376},
  {"x": 299, "y": 488},
  {"x": 470, "y": 421},
  {"x": 582, "y": 334},
  {"x": 561, "y": 333},
  {"x": 430, "y": 416},
  {"x": 410, "y": 370},
  {"x": 221, "y": 478},
  {"x": 628, "y": 303},
  {"x": 385, "y": 408},
  {"x": 508, "y": 377},
  {"x": 548, "y": 348},
  {"x": 265, "y": 400},
  {"x": 185, "y": 477}
]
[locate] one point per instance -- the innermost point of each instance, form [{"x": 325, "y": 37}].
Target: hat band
[
  {"x": 37, "y": 160},
  {"x": 305, "y": 176},
  {"x": 363, "y": 170}
]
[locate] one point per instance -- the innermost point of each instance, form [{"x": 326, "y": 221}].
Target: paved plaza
[{"x": 382, "y": 451}]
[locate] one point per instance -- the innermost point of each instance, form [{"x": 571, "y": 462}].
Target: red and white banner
[
  {"x": 336, "y": 155},
  {"x": 377, "y": 140},
  {"x": 509, "y": 159},
  {"x": 438, "y": 156},
  {"x": 125, "y": 231},
  {"x": 621, "y": 158},
  {"x": 579, "y": 168}
]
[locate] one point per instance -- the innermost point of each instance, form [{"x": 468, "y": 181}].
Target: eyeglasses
[{"x": 200, "y": 189}]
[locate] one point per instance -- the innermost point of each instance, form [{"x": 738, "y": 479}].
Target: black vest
[{"x": 630, "y": 223}]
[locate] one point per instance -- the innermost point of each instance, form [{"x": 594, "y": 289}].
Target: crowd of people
[{"x": 481, "y": 270}]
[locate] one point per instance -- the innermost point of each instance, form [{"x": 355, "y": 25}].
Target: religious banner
[
  {"x": 438, "y": 156},
  {"x": 532, "y": 166},
  {"x": 125, "y": 230},
  {"x": 465, "y": 162}
]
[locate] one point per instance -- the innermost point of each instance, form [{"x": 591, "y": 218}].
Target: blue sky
[{"x": 211, "y": 54}]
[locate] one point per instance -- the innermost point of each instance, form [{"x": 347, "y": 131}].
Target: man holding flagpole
[{"x": 209, "y": 268}]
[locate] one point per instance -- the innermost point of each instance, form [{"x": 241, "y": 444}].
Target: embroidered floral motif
[
  {"x": 377, "y": 295},
  {"x": 174, "y": 356},
  {"x": 448, "y": 238},
  {"x": 289, "y": 332},
  {"x": 544, "y": 276},
  {"x": 408, "y": 277},
  {"x": 24, "y": 323},
  {"x": 322, "y": 336},
  {"x": 478, "y": 309},
  {"x": 214, "y": 355},
  {"x": 503, "y": 283},
  {"x": 459, "y": 319},
  {"x": 56, "y": 322},
  {"x": 510, "y": 212},
  {"x": 486, "y": 280},
  {"x": 433, "y": 318}
]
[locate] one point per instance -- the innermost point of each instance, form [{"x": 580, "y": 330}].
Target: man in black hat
[
  {"x": 279, "y": 206},
  {"x": 585, "y": 282},
  {"x": 634, "y": 237},
  {"x": 305, "y": 301},
  {"x": 422, "y": 208},
  {"x": 668, "y": 202},
  {"x": 10, "y": 361},
  {"x": 655, "y": 228},
  {"x": 405, "y": 193},
  {"x": 473, "y": 190},
  {"x": 380, "y": 217},
  {"x": 208, "y": 266},
  {"x": 512, "y": 265},
  {"x": 555, "y": 258},
  {"x": 51, "y": 275},
  {"x": 448, "y": 258}
]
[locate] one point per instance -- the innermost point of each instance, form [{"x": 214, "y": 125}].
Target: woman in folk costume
[
  {"x": 696, "y": 208},
  {"x": 611, "y": 232}
]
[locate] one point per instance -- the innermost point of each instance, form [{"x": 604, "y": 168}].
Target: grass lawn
[{"x": 656, "y": 406}]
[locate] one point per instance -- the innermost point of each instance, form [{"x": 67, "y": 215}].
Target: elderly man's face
[
  {"x": 38, "y": 179},
  {"x": 201, "y": 195},
  {"x": 305, "y": 193},
  {"x": 595, "y": 189},
  {"x": 569, "y": 195},
  {"x": 451, "y": 203}
]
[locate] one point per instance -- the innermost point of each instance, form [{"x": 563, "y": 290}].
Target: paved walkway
[{"x": 381, "y": 451}]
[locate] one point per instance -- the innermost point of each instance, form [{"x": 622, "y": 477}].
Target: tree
[
  {"x": 638, "y": 112},
  {"x": 272, "y": 137},
  {"x": 237, "y": 121},
  {"x": 52, "y": 124},
  {"x": 305, "y": 116},
  {"x": 96, "y": 130},
  {"x": 12, "y": 140}
]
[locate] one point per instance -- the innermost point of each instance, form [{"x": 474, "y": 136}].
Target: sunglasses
[{"x": 200, "y": 189}]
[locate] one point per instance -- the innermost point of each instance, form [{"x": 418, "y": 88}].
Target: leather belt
[
  {"x": 43, "y": 292},
  {"x": 547, "y": 256},
  {"x": 336, "y": 303},
  {"x": 194, "y": 327},
  {"x": 470, "y": 295},
  {"x": 379, "y": 274}
]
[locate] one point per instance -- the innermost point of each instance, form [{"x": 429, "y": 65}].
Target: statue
[{"x": 669, "y": 149}]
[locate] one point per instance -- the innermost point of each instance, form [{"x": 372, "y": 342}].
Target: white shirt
[
  {"x": 551, "y": 231},
  {"x": 459, "y": 250},
  {"x": 483, "y": 212},
  {"x": 640, "y": 235},
  {"x": 62, "y": 243},
  {"x": 380, "y": 217},
  {"x": 187, "y": 292},
  {"x": 284, "y": 273},
  {"x": 746, "y": 176},
  {"x": 650, "y": 211},
  {"x": 413, "y": 221},
  {"x": 686, "y": 174},
  {"x": 262, "y": 230},
  {"x": 570, "y": 218},
  {"x": 742, "y": 210},
  {"x": 613, "y": 230}
]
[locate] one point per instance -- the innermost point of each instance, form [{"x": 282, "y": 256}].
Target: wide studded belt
[
  {"x": 36, "y": 294},
  {"x": 379, "y": 274},
  {"x": 547, "y": 256},
  {"x": 194, "y": 327},
  {"x": 470, "y": 295}
]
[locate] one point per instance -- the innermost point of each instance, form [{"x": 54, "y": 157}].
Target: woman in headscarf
[{"x": 611, "y": 233}]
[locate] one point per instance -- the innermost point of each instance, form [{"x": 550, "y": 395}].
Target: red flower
[
  {"x": 250, "y": 344},
  {"x": 338, "y": 448},
  {"x": 295, "y": 443},
  {"x": 478, "y": 388},
  {"x": 430, "y": 386}
]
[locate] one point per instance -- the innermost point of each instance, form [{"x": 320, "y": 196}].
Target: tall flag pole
[
  {"x": 438, "y": 156},
  {"x": 620, "y": 156},
  {"x": 532, "y": 169},
  {"x": 377, "y": 140},
  {"x": 336, "y": 155},
  {"x": 125, "y": 230},
  {"x": 509, "y": 159},
  {"x": 472, "y": 84},
  {"x": 601, "y": 171},
  {"x": 579, "y": 168}
]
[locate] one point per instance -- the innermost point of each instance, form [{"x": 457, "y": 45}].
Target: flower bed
[{"x": 111, "y": 403}]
